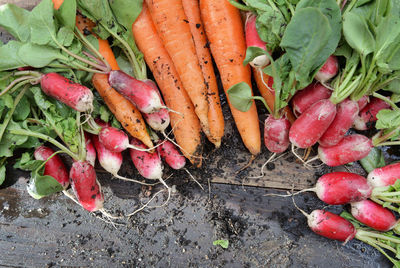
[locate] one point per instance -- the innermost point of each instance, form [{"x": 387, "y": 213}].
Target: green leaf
[
  {"x": 222, "y": 243},
  {"x": 394, "y": 86},
  {"x": 2, "y": 173},
  {"x": 125, "y": 65},
  {"x": 42, "y": 185},
  {"x": 15, "y": 21},
  {"x": 38, "y": 56},
  {"x": 105, "y": 114},
  {"x": 374, "y": 159},
  {"x": 357, "y": 33},
  {"x": 304, "y": 40},
  {"x": 22, "y": 110},
  {"x": 27, "y": 162},
  {"x": 126, "y": 11},
  {"x": 7, "y": 101},
  {"x": 41, "y": 21},
  {"x": 388, "y": 119},
  {"x": 66, "y": 14},
  {"x": 9, "y": 58},
  {"x": 270, "y": 25},
  {"x": 10, "y": 141},
  {"x": 252, "y": 53},
  {"x": 332, "y": 12},
  {"x": 65, "y": 36},
  {"x": 240, "y": 96}
]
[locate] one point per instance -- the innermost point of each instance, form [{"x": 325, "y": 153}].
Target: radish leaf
[
  {"x": 9, "y": 58},
  {"x": 252, "y": 53},
  {"x": 357, "y": 33},
  {"x": 15, "y": 21},
  {"x": 223, "y": 243},
  {"x": 374, "y": 159},
  {"x": 126, "y": 11},
  {"x": 240, "y": 96},
  {"x": 66, "y": 14},
  {"x": 388, "y": 119},
  {"x": 42, "y": 185},
  {"x": 41, "y": 22},
  {"x": 38, "y": 56}
]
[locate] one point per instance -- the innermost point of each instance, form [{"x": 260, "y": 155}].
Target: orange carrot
[
  {"x": 264, "y": 84},
  {"x": 224, "y": 29},
  {"x": 57, "y": 3},
  {"x": 186, "y": 125},
  {"x": 125, "y": 112},
  {"x": 172, "y": 26},
  {"x": 215, "y": 116}
]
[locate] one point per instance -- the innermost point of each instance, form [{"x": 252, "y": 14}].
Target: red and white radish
[
  {"x": 328, "y": 70},
  {"x": 110, "y": 161},
  {"x": 90, "y": 150},
  {"x": 74, "y": 95},
  {"x": 171, "y": 155},
  {"x": 85, "y": 186},
  {"x": 148, "y": 164},
  {"x": 143, "y": 96},
  {"x": 363, "y": 102},
  {"x": 158, "y": 120},
  {"x": 254, "y": 40},
  {"x": 330, "y": 225},
  {"x": 338, "y": 188},
  {"x": 54, "y": 167},
  {"x": 306, "y": 97},
  {"x": 374, "y": 215},
  {"x": 312, "y": 124},
  {"x": 276, "y": 134},
  {"x": 346, "y": 112},
  {"x": 384, "y": 176},
  {"x": 351, "y": 148},
  {"x": 367, "y": 115}
]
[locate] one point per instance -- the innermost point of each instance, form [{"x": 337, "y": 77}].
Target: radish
[
  {"x": 76, "y": 96},
  {"x": 384, "y": 176},
  {"x": 306, "y": 97},
  {"x": 101, "y": 123},
  {"x": 312, "y": 124},
  {"x": 351, "y": 148},
  {"x": 171, "y": 155},
  {"x": 276, "y": 134},
  {"x": 110, "y": 161},
  {"x": 90, "y": 151},
  {"x": 328, "y": 70},
  {"x": 346, "y": 112},
  {"x": 367, "y": 115},
  {"x": 374, "y": 215},
  {"x": 54, "y": 167},
  {"x": 330, "y": 225},
  {"x": 254, "y": 40},
  {"x": 143, "y": 96},
  {"x": 157, "y": 120},
  {"x": 363, "y": 102},
  {"x": 148, "y": 164},
  {"x": 116, "y": 140},
  {"x": 85, "y": 186},
  {"x": 335, "y": 227}
]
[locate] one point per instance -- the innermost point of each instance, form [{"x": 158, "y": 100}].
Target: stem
[
  {"x": 24, "y": 80},
  {"x": 387, "y": 100},
  {"x": 376, "y": 200},
  {"x": 46, "y": 138},
  {"x": 240, "y": 6},
  {"x": 378, "y": 235},
  {"x": 263, "y": 101},
  {"x": 376, "y": 141},
  {"x": 78, "y": 66},
  {"x": 91, "y": 47},
  {"x": 11, "y": 112},
  {"x": 136, "y": 68},
  {"x": 391, "y": 200},
  {"x": 389, "y": 143}
]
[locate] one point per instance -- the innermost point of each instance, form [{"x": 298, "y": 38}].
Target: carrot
[
  {"x": 215, "y": 116},
  {"x": 57, "y": 3},
  {"x": 125, "y": 112},
  {"x": 268, "y": 93},
  {"x": 224, "y": 29},
  {"x": 186, "y": 125},
  {"x": 172, "y": 26}
]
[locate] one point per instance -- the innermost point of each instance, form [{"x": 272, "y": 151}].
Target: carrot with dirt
[
  {"x": 215, "y": 116},
  {"x": 184, "y": 122},
  {"x": 224, "y": 29},
  {"x": 170, "y": 21}
]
